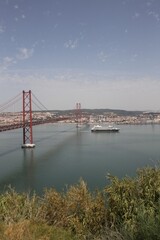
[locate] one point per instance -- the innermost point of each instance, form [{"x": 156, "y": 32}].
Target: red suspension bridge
[{"x": 25, "y": 117}]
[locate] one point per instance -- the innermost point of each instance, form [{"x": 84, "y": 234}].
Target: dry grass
[
  {"x": 128, "y": 206},
  {"x": 15, "y": 207},
  {"x": 26, "y": 230},
  {"x": 77, "y": 210}
]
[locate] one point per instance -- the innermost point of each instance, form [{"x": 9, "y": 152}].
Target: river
[{"x": 63, "y": 155}]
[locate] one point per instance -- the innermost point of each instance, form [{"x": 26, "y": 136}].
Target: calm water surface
[{"x": 63, "y": 155}]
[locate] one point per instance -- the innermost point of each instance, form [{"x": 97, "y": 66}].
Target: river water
[{"x": 63, "y": 155}]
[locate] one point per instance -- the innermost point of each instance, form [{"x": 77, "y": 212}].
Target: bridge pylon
[{"x": 27, "y": 121}]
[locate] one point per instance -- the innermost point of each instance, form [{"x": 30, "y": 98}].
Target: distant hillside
[
  {"x": 100, "y": 112},
  {"x": 116, "y": 111}
]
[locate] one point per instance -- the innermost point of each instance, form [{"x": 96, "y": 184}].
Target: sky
[{"x": 101, "y": 53}]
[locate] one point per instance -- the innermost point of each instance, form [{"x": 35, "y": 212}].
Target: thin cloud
[
  {"x": 13, "y": 39},
  {"x": 154, "y": 15},
  {"x": 25, "y": 53},
  {"x": 23, "y": 16},
  {"x": 134, "y": 57},
  {"x": 2, "y": 29},
  {"x": 16, "y": 19},
  {"x": 16, "y": 6},
  {"x": 102, "y": 56},
  {"x": 71, "y": 44},
  {"x": 136, "y": 15},
  {"x": 126, "y": 89},
  {"x": 149, "y": 4},
  {"x": 6, "y": 62}
]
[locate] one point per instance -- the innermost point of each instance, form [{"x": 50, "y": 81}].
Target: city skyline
[{"x": 101, "y": 53}]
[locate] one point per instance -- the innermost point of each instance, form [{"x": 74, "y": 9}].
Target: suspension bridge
[{"x": 26, "y": 118}]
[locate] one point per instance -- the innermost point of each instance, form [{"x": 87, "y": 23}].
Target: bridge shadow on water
[
  {"x": 55, "y": 149},
  {"x": 9, "y": 151},
  {"x": 24, "y": 176}
]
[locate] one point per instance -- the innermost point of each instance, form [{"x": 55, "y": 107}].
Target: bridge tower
[
  {"x": 27, "y": 121},
  {"x": 78, "y": 114}
]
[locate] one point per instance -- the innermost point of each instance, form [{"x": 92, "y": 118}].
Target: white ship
[{"x": 99, "y": 128}]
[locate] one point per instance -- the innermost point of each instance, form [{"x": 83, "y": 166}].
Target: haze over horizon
[{"x": 101, "y": 53}]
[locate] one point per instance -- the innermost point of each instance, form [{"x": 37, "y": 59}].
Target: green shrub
[
  {"x": 131, "y": 200},
  {"x": 53, "y": 208},
  {"x": 127, "y": 209},
  {"x": 86, "y": 212}
]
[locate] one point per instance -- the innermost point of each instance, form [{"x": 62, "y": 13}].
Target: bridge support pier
[{"x": 27, "y": 121}]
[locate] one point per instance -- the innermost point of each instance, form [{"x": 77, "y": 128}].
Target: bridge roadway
[{"x": 13, "y": 126}]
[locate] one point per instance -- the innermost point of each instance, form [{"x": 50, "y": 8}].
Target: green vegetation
[{"x": 127, "y": 209}]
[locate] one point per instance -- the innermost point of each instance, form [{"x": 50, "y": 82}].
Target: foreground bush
[
  {"x": 127, "y": 209},
  {"x": 15, "y": 206},
  {"x": 134, "y": 204},
  {"x": 78, "y": 210}
]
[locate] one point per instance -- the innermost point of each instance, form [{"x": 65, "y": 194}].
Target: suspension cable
[
  {"x": 39, "y": 102},
  {"x": 40, "y": 108},
  {"x": 10, "y": 103}
]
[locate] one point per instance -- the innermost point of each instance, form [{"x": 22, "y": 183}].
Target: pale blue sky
[{"x": 102, "y": 53}]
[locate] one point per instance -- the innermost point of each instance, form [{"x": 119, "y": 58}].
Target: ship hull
[{"x": 104, "y": 130}]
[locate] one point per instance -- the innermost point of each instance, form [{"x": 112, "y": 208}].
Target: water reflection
[{"x": 29, "y": 168}]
